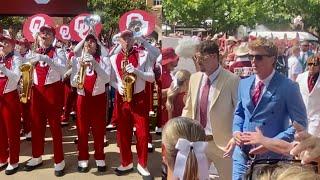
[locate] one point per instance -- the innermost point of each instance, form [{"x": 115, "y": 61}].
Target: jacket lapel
[
  {"x": 221, "y": 79},
  {"x": 266, "y": 97},
  {"x": 250, "y": 86},
  {"x": 196, "y": 83}
]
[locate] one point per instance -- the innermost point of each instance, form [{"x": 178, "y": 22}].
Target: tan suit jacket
[{"x": 221, "y": 108}]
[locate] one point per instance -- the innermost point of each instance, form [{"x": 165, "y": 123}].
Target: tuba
[
  {"x": 25, "y": 82},
  {"x": 91, "y": 21},
  {"x": 128, "y": 80}
]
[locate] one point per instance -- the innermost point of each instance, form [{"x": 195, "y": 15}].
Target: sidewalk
[{"x": 46, "y": 171}]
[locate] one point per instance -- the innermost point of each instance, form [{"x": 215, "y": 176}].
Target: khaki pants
[{"x": 223, "y": 165}]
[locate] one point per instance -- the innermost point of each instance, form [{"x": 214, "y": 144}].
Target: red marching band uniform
[
  {"x": 9, "y": 106},
  {"x": 47, "y": 101},
  {"x": 91, "y": 105},
  {"x": 133, "y": 114}
]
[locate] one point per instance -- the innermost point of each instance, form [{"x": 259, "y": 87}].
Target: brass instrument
[
  {"x": 91, "y": 21},
  {"x": 26, "y": 82},
  {"x": 81, "y": 73},
  {"x": 128, "y": 80}
]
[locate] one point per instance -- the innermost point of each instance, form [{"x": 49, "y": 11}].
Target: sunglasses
[
  {"x": 313, "y": 64},
  {"x": 258, "y": 57}
]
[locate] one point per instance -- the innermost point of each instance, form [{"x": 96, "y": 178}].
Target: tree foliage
[
  {"x": 111, "y": 11},
  {"x": 228, "y": 15}
]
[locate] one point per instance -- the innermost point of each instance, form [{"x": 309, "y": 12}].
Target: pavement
[{"x": 46, "y": 171}]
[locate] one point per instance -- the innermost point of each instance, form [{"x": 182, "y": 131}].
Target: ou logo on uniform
[{"x": 42, "y": 1}]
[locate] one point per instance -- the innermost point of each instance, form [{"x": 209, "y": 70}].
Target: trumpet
[{"x": 128, "y": 80}]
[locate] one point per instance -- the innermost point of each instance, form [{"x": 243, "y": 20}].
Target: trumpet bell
[
  {"x": 136, "y": 26},
  {"x": 92, "y": 20}
]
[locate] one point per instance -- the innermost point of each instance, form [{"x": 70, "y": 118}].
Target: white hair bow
[{"x": 184, "y": 147}]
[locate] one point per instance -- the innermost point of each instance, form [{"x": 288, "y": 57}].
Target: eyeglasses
[
  {"x": 201, "y": 58},
  {"x": 257, "y": 57},
  {"x": 313, "y": 64}
]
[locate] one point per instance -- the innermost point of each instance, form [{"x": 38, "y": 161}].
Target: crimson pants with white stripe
[
  {"x": 70, "y": 97},
  {"x": 26, "y": 117},
  {"x": 47, "y": 105},
  {"x": 9, "y": 127},
  {"x": 91, "y": 113},
  {"x": 132, "y": 114}
]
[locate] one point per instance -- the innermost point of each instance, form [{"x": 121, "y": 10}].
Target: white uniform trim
[{"x": 13, "y": 74}]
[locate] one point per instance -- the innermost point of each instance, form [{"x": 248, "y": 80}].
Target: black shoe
[
  {"x": 102, "y": 168},
  {"x": 150, "y": 177},
  {"x": 122, "y": 172},
  {"x": 106, "y": 143},
  {"x": 59, "y": 173},
  {"x": 158, "y": 133},
  {"x": 83, "y": 169},
  {"x": 150, "y": 150},
  {"x": 28, "y": 139},
  {"x": 3, "y": 167},
  {"x": 12, "y": 171},
  {"x": 30, "y": 168}
]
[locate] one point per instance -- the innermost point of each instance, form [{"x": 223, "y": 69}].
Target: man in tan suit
[{"x": 211, "y": 100}]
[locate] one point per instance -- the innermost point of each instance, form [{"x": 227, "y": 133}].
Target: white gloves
[
  {"x": 120, "y": 88},
  {"x": 87, "y": 57},
  {"x": 131, "y": 69}
]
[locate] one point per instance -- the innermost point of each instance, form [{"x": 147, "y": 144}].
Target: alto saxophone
[
  {"x": 25, "y": 82},
  {"x": 128, "y": 80},
  {"x": 81, "y": 74}
]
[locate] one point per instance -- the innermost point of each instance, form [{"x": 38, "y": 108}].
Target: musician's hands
[
  {"x": 228, "y": 150},
  {"x": 34, "y": 58},
  {"x": 130, "y": 68},
  {"x": 120, "y": 89}
]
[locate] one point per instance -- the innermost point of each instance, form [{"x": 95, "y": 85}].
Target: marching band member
[
  {"x": 94, "y": 70},
  {"x": 70, "y": 93},
  {"x": 9, "y": 106},
  {"x": 138, "y": 63},
  {"x": 23, "y": 47},
  {"x": 47, "y": 99}
]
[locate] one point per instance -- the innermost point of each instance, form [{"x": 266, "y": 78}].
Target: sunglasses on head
[{"x": 257, "y": 57}]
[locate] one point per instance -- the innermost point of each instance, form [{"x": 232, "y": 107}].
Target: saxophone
[
  {"x": 128, "y": 80},
  {"x": 25, "y": 82},
  {"x": 81, "y": 73}
]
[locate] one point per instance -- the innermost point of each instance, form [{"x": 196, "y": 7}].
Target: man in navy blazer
[{"x": 267, "y": 100}]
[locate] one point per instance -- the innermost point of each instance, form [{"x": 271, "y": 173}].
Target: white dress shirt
[
  {"x": 266, "y": 83},
  {"x": 212, "y": 77}
]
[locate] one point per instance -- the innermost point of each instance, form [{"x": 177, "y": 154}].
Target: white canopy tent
[{"x": 281, "y": 35}]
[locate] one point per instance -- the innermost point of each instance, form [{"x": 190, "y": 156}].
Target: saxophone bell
[{"x": 25, "y": 83}]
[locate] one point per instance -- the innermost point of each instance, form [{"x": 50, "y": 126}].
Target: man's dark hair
[{"x": 208, "y": 47}]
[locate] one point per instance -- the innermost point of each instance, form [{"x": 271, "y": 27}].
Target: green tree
[
  {"x": 111, "y": 11},
  {"x": 228, "y": 15}
]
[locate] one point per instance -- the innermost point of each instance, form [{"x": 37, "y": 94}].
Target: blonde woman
[
  {"x": 176, "y": 94},
  {"x": 184, "y": 149}
]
